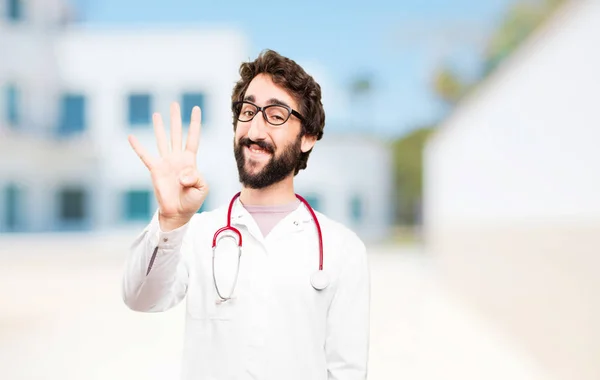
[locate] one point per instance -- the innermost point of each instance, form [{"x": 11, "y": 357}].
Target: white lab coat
[{"x": 278, "y": 326}]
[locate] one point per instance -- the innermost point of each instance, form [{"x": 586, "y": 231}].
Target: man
[{"x": 265, "y": 320}]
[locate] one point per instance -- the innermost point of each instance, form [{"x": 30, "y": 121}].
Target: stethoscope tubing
[{"x": 319, "y": 280}]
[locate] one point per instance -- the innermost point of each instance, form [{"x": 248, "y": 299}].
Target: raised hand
[{"x": 178, "y": 186}]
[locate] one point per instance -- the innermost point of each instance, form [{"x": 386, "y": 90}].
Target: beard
[{"x": 275, "y": 170}]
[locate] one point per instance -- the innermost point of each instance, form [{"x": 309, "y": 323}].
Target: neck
[{"x": 278, "y": 193}]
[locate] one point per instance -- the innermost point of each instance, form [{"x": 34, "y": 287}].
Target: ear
[{"x": 308, "y": 141}]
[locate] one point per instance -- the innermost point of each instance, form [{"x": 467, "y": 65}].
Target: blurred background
[{"x": 460, "y": 144}]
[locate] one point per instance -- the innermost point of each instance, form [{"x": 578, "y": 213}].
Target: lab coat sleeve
[
  {"x": 347, "y": 342},
  {"x": 156, "y": 271}
]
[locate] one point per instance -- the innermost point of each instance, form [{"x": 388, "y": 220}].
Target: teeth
[{"x": 257, "y": 150}]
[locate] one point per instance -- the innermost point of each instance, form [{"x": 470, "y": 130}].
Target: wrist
[{"x": 170, "y": 224}]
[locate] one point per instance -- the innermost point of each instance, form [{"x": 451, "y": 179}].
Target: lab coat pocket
[
  {"x": 198, "y": 299},
  {"x": 204, "y": 303},
  {"x": 225, "y": 281},
  {"x": 203, "y": 300},
  {"x": 223, "y": 310}
]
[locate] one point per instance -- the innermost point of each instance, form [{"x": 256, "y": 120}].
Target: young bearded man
[{"x": 293, "y": 303}]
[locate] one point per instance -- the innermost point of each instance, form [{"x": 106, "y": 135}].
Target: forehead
[{"x": 263, "y": 90}]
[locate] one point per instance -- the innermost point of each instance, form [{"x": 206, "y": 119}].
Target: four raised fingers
[{"x": 176, "y": 139}]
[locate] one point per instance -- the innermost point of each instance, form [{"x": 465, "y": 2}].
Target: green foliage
[
  {"x": 361, "y": 85},
  {"x": 408, "y": 174},
  {"x": 448, "y": 85},
  {"x": 519, "y": 22},
  {"x": 521, "y": 19}
]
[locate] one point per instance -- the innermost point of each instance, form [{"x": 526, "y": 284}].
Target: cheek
[
  {"x": 280, "y": 139},
  {"x": 241, "y": 130},
  {"x": 287, "y": 137}
]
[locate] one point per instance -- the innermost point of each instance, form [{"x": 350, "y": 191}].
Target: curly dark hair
[{"x": 292, "y": 77}]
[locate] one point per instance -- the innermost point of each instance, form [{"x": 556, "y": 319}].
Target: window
[
  {"x": 12, "y": 203},
  {"x": 139, "y": 109},
  {"x": 187, "y": 103},
  {"x": 137, "y": 205},
  {"x": 72, "y": 118},
  {"x": 72, "y": 205},
  {"x": 356, "y": 209},
  {"x": 314, "y": 201},
  {"x": 12, "y": 105},
  {"x": 14, "y": 10}
]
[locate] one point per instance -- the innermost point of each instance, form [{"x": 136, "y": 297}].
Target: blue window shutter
[
  {"x": 140, "y": 109},
  {"x": 72, "y": 205},
  {"x": 12, "y": 105},
  {"x": 188, "y": 102},
  {"x": 12, "y": 205},
  {"x": 15, "y": 10},
  {"x": 73, "y": 213},
  {"x": 314, "y": 201},
  {"x": 73, "y": 114},
  {"x": 356, "y": 209},
  {"x": 137, "y": 205}
]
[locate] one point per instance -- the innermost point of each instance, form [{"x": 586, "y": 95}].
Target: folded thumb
[{"x": 188, "y": 180}]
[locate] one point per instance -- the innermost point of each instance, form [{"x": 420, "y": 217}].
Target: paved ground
[{"x": 61, "y": 317}]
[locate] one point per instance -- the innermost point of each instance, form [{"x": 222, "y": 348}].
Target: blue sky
[{"x": 397, "y": 43}]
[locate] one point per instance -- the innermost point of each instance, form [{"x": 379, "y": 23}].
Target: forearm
[{"x": 155, "y": 276}]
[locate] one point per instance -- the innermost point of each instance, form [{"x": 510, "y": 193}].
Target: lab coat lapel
[
  {"x": 240, "y": 217},
  {"x": 297, "y": 221}
]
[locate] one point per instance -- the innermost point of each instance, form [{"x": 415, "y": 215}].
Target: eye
[
  {"x": 247, "y": 111},
  {"x": 277, "y": 114}
]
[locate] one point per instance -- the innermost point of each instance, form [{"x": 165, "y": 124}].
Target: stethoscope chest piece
[{"x": 319, "y": 280}]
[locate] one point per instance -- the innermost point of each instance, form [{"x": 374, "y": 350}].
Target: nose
[{"x": 258, "y": 128}]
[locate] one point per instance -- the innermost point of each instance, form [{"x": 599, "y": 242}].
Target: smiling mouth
[{"x": 256, "y": 150}]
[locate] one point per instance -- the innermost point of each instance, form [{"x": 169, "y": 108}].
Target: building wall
[
  {"x": 164, "y": 64},
  {"x": 28, "y": 63},
  {"x": 101, "y": 67},
  {"x": 351, "y": 177},
  {"x": 511, "y": 196}
]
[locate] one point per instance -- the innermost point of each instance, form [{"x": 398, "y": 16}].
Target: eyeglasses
[{"x": 274, "y": 114}]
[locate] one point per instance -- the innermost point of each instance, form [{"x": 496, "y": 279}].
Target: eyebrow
[{"x": 251, "y": 98}]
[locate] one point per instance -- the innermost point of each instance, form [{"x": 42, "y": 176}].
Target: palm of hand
[{"x": 178, "y": 186}]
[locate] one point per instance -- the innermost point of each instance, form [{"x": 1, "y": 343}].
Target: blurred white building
[
  {"x": 512, "y": 196},
  {"x": 70, "y": 95}
]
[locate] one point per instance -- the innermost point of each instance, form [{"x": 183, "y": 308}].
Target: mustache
[{"x": 262, "y": 144}]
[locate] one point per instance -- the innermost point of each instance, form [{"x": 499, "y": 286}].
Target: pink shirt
[{"x": 268, "y": 216}]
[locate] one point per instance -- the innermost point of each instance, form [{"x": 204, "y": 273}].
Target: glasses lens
[
  {"x": 277, "y": 115},
  {"x": 245, "y": 111}
]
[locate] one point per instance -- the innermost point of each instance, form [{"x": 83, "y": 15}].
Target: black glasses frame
[{"x": 291, "y": 111}]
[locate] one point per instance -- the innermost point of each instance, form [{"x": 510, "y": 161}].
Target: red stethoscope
[{"x": 319, "y": 279}]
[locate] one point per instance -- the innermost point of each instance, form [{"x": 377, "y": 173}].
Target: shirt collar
[{"x": 299, "y": 217}]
